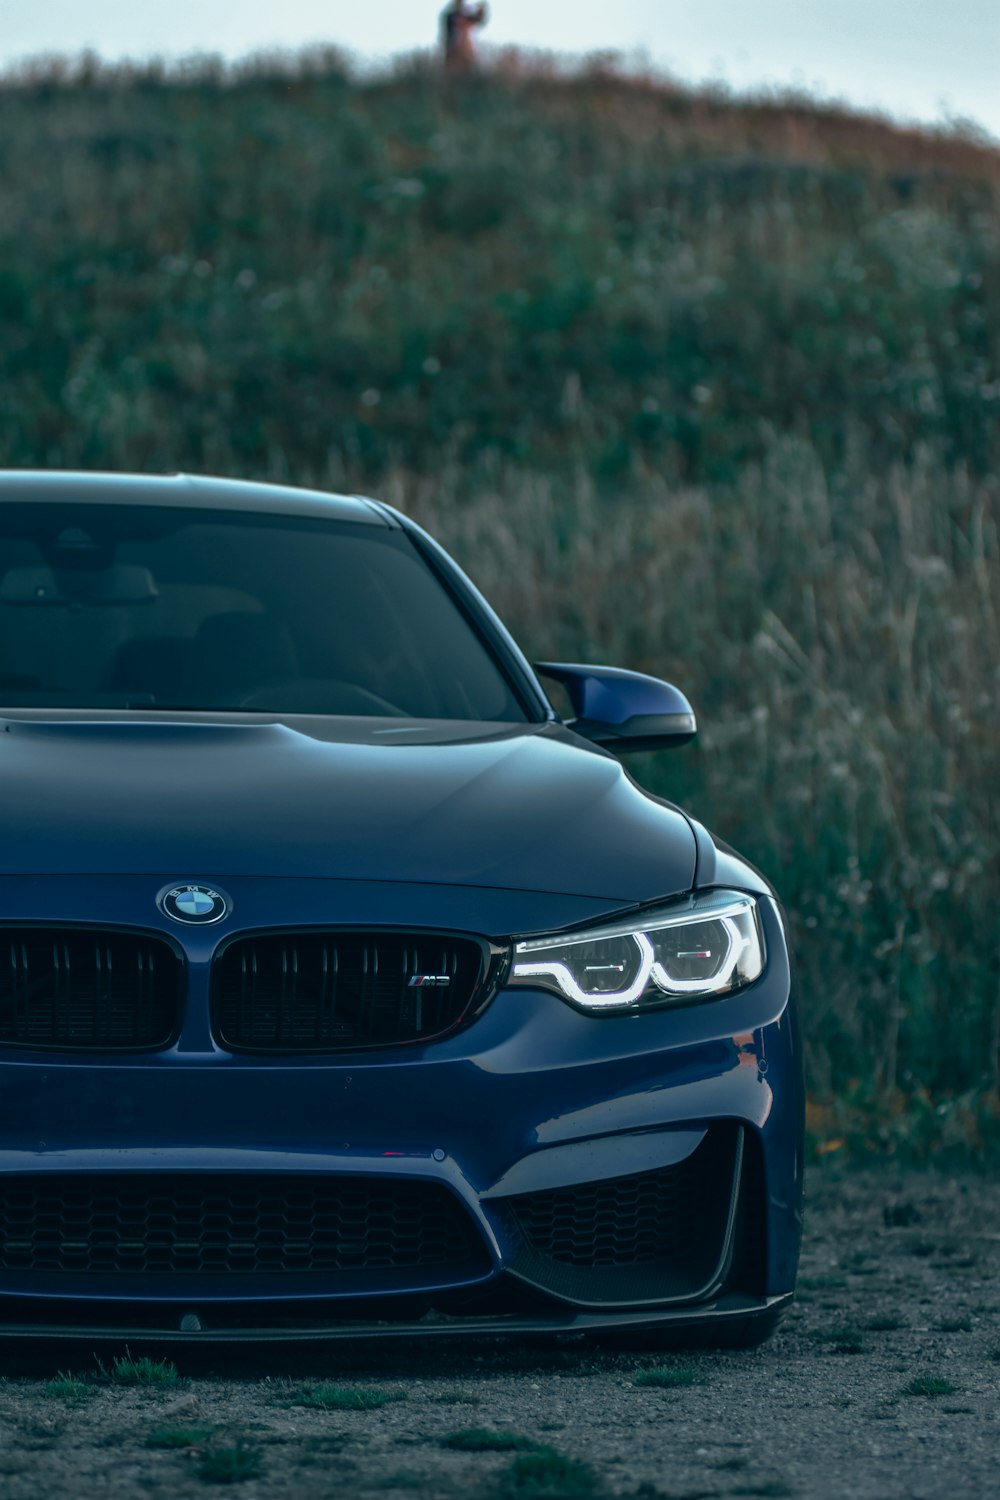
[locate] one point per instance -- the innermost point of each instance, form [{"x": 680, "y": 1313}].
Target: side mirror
[{"x": 623, "y": 710}]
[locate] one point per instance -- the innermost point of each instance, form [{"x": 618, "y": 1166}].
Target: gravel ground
[{"x": 881, "y": 1383}]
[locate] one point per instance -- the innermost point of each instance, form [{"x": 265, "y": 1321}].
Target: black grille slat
[
  {"x": 338, "y": 991},
  {"x": 227, "y": 1224},
  {"x": 74, "y": 990}
]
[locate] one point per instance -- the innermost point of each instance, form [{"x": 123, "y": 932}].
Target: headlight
[{"x": 709, "y": 945}]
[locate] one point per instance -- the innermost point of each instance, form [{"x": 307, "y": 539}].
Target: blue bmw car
[{"x": 347, "y": 989}]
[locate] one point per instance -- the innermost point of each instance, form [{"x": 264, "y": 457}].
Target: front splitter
[{"x": 717, "y": 1314}]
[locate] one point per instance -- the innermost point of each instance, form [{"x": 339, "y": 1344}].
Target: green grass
[
  {"x": 766, "y": 1487},
  {"x": 667, "y": 1377},
  {"x": 902, "y": 1215},
  {"x": 486, "y": 1440},
  {"x": 154, "y": 1374},
  {"x": 548, "y": 1475},
  {"x": 885, "y": 1323},
  {"x": 67, "y": 1387},
  {"x": 346, "y": 1398},
  {"x": 929, "y": 1385},
  {"x": 178, "y": 1437},
  {"x": 843, "y": 1340},
  {"x": 230, "y": 1465}
]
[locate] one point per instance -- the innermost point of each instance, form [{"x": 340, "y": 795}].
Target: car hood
[{"x": 518, "y": 807}]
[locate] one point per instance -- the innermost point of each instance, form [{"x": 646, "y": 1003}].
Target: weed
[
  {"x": 843, "y": 1340},
  {"x": 230, "y": 1465},
  {"x": 954, "y": 1325},
  {"x": 487, "y": 1440},
  {"x": 923, "y": 1249},
  {"x": 67, "y": 1387},
  {"x": 901, "y": 1215},
  {"x": 929, "y": 1385},
  {"x": 155, "y": 1374},
  {"x": 548, "y": 1475},
  {"x": 667, "y": 1377},
  {"x": 769, "y": 1487},
  {"x": 178, "y": 1437},
  {"x": 456, "y": 1398},
  {"x": 346, "y": 1398},
  {"x": 885, "y": 1323}
]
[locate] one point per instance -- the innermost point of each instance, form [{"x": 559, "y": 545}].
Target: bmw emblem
[{"x": 198, "y": 905}]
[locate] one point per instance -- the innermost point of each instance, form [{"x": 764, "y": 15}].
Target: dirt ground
[{"x": 882, "y": 1383}]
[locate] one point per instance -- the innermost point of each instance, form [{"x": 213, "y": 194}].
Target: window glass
[{"x": 108, "y": 606}]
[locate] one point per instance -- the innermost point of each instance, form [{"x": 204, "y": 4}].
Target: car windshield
[{"x": 109, "y": 606}]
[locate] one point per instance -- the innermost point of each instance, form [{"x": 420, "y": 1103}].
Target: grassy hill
[{"x": 701, "y": 387}]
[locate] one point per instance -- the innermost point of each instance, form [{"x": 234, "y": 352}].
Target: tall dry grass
[
  {"x": 841, "y": 642},
  {"x": 704, "y": 387}
]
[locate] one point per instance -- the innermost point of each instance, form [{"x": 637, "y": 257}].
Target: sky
[{"x": 927, "y": 60}]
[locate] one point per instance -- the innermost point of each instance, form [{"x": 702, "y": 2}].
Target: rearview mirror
[
  {"x": 623, "y": 710},
  {"x": 122, "y": 583}
]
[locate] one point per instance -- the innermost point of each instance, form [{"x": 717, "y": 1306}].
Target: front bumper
[{"x": 530, "y": 1102}]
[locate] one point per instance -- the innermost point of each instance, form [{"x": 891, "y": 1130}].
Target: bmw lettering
[{"x": 347, "y": 987}]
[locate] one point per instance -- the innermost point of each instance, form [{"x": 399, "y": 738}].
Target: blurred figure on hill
[{"x": 458, "y": 23}]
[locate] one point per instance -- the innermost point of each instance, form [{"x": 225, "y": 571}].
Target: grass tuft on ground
[
  {"x": 487, "y": 1440},
  {"x": 67, "y": 1387},
  {"x": 230, "y": 1465},
  {"x": 154, "y": 1374},
  {"x": 843, "y": 1340},
  {"x": 548, "y": 1475},
  {"x": 667, "y": 1377},
  {"x": 346, "y": 1398},
  {"x": 929, "y": 1385},
  {"x": 178, "y": 1437}
]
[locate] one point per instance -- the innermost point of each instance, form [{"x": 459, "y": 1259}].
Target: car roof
[{"x": 185, "y": 491}]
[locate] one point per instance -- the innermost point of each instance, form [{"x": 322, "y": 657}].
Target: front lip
[{"x": 730, "y": 1308}]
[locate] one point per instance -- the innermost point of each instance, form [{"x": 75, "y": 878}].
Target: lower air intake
[
  {"x": 659, "y": 1236},
  {"x": 198, "y": 1225}
]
